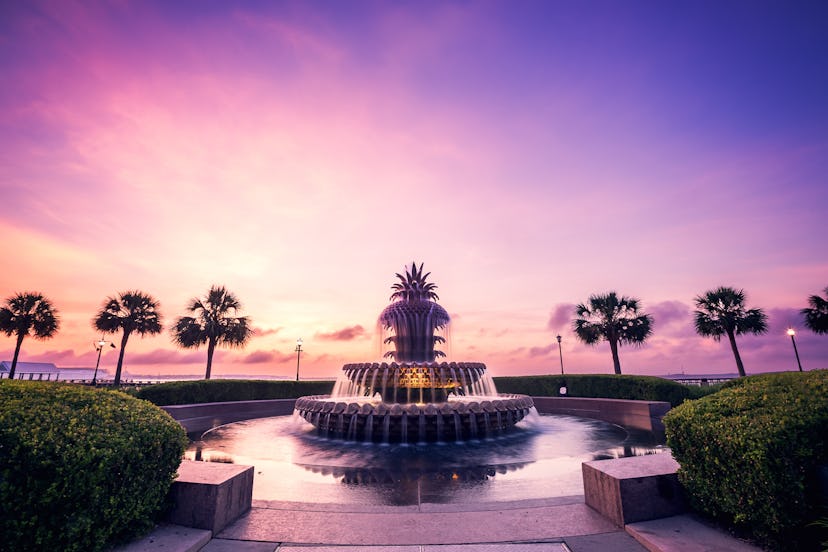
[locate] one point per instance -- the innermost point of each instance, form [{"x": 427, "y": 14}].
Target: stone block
[
  {"x": 209, "y": 495},
  {"x": 639, "y": 488}
]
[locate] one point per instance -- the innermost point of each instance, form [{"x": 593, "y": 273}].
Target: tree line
[
  {"x": 213, "y": 321},
  {"x": 719, "y": 312}
]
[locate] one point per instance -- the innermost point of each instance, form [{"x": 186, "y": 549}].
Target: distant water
[{"x": 161, "y": 378}]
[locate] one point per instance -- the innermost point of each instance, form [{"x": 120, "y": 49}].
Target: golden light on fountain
[{"x": 416, "y": 377}]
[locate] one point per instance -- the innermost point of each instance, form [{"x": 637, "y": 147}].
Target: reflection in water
[{"x": 540, "y": 458}]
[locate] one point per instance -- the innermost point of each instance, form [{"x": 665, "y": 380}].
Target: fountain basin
[
  {"x": 470, "y": 417},
  {"x": 538, "y": 459}
]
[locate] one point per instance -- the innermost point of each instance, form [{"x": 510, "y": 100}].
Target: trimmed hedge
[
  {"x": 207, "y": 391},
  {"x": 81, "y": 468},
  {"x": 606, "y": 386},
  {"x": 749, "y": 453},
  {"x": 578, "y": 385}
]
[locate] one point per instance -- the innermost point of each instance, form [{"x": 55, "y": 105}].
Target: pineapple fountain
[{"x": 414, "y": 398}]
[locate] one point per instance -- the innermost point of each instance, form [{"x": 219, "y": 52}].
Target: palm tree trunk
[
  {"x": 20, "y": 337},
  {"x": 615, "y": 360},
  {"x": 732, "y": 337},
  {"x": 211, "y": 347},
  {"x": 124, "y": 339}
]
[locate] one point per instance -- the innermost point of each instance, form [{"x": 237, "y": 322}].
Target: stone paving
[
  {"x": 515, "y": 523},
  {"x": 683, "y": 533}
]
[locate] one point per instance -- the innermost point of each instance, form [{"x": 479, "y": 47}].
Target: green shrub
[
  {"x": 605, "y": 386},
  {"x": 698, "y": 391},
  {"x": 749, "y": 453},
  {"x": 81, "y": 468},
  {"x": 207, "y": 391}
]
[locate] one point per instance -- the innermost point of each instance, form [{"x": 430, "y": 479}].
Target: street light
[
  {"x": 99, "y": 345},
  {"x": 792, "y": 333},
  {"x": 560, "y": 352},
  {"x": 298, "y": 352}
]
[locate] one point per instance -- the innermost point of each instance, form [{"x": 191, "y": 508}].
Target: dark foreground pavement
[{"x": 557, "y": 525}]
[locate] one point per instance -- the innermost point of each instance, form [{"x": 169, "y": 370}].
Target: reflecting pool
[{"x": 540, "y": 458}]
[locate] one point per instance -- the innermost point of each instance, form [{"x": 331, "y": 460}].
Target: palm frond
[
  {"x": 29, "y": 313},
  {"x": 213, "y": 321},
  {"x": 816, "y": 316}
]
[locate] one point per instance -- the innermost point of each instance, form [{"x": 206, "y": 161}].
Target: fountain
[{"x": 414, "y": 399}]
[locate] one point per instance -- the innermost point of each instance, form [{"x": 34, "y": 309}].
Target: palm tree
[
  {"x": 131, "y": 311},
  {"x": 816, "y": 317},
  {"x": 214, "y": 323},
  {"x": 722, "y": 312},
  {"x": 616, "y": 320},
  {"x": 28, "y": 313}
]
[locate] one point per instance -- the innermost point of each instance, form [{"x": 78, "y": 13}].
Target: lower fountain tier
[{"x": 455, "y": 420}]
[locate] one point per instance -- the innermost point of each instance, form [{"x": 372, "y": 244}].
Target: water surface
[{"x": 540, "y": 458}]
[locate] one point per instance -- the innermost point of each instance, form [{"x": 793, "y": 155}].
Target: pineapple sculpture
[{"x": 413, "y": 317}]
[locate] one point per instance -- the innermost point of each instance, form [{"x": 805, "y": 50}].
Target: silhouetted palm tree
[
  {"x": 816, "y": 317},
  {"x": 616, "y": 320},
  {"x": 25, "y": 314},
  {"x": 722, "y": 312},
  {"x": 131, "y": 311},
  {"x": 214, "y": 323}
]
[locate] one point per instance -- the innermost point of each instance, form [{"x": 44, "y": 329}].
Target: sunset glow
[{"x": 530, "y": 154}]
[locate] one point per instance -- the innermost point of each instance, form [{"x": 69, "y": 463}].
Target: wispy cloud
[
  {"x": 261, "y": 332},
  {"x": 267, "y": 357},
  {"x": 345, "y": 334},
  {"x": 561, "y": 317},
  {"x": 171, "y": 356},
  {"x": 535, "y": 352}
]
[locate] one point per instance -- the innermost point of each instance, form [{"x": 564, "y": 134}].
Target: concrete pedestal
[
  {"x": 210, "y": 495},
  {"x": 640, "y": 488}
]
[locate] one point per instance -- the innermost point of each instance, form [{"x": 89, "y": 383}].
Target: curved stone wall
[{"x": 644, "y": 415}]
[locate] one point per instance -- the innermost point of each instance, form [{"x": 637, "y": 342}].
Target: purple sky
[{"x": 529, "y": 153}]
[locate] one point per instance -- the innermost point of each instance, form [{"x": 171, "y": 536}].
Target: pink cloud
[
  {"x": 488, "y": 332},
  {"x": 542, "y": 351},
  {"x": 170, "y": 356},
  {"x": 271, "y": 356},
  {"x": 62, "y": 357},
  {"x": 345, "y": 334},
  {"x": 561, "y": 317},
  {"x": 261, "y": 332},
  {"x": 666, "y": 313}
]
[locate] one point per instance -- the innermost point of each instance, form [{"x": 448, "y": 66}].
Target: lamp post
[
  {"x": 792, "y": 333},
  {"x": 560, "y": 352},
  {"x": 298, "y": 352},
  {"x": 99, "y": 345}
]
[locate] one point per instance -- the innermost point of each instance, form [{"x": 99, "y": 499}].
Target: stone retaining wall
[
  {"x": 644, "y": 415},
  {"x": 198, "y": 418}
]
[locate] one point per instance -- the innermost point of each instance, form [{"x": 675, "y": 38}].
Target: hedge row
[
  {"x": 81, "y": 468},
  {"x": 207, "y": 391},
  {"x": 749, "y": 453},
  {"x": 605, "y": 386},
  {"x": 580, "y": 385}
]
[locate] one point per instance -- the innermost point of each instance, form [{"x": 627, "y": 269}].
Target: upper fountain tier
[
  {"x": 414, "y": 316},
  {"x": 414, "y": 383}
]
